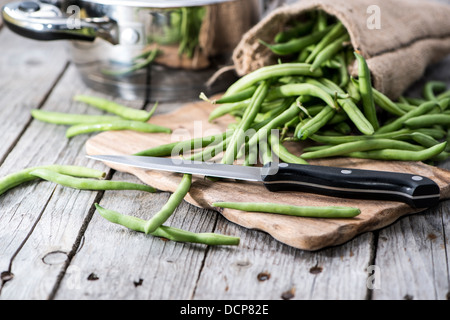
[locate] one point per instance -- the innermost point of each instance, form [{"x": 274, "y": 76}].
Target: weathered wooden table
[{"x": 53, "y": 244}]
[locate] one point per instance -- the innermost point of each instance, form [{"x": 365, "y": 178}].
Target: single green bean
[
  {"x": 269, "y": 72},
  {"x": 352, "y": 138},
  {"x": 247, "y": 120},
  {"x": 115, "y": 108},
  {"x": 298, "y": 44},
  {"x": 282, "y": 152},
  {"x": 415, "y": 101},
  {"x": 384, "y": 102},
  {"x": 228, "y": 108},
  {"x": 329, "y": 52},
  {"x": 423, "y": 139},
  {"x": 297, "y": 31},
  {"x": 432, "y": 87},
  {"x": 168, "y": 209},
  {"x": 304, "y": 131},
  {"x": 135, "y": 67},
  {"x": 336, "y": 31},
  {"x": 343, "y": 71},
  {"x": 401, "y": 155},
  {"x": 398, "y": 123},
  {"x": 291, "y": 210},
  {"x": 365, "y": 88},
  {"x": 191, "y": 144},
  {"x": 88, "y": 184},
  {"x": 14, "y": 179},
  {"x": 166, "y": 232},
  {"x": 444, "y": 95},
  {"x": 304, "y": 89},
  {"x": 428, "y": 120},
  {"x": 211, "y": 152},
  {"x": 373, "y": 144},
  {"x": 115, "y": 126},
  {"x": 238, "y": 97},
  {"x": 62, "y": 118}
]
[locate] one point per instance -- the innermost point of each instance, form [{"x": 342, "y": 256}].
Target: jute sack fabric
[{"x": 411, "y": 35}]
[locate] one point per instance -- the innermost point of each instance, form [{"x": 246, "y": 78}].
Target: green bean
[
  {"x": 87, "y": 184},
  {"x": 282, "y": 152},
  {"x": 415, "y": 101},
  {"x": 432, "y": 87},
  {"x": 247, "y": 120},
  {"x": 297, "y": 31},
  {"x": 329, "y": 51},
  {"x": 428, "y": 120},
  {"x": 423, "y": 139},
  {"x": 343, "y": 71},
  {"x": 383, "y": 101},
  {"x": 353, "y": 138},
  {"x": 316, "y": 123},
  {"x": 269, "y": 72},
  {"x": 398, "y": 123},
  {"x": 372, "y": 144},
  {"x": 286, "y": 116},
  {"x": 166, "y": 232},
  {"x": 211, "y": 151},
  {"x": 167, "y": 210},
  {"x": 336, "y": 31},
  {"x": 406, "y": 107},
  {"x": 238, "y": 97},
  {"x": 191, "y": 144},
  {"x": 228, "y": 108},
  {"x": 366, "y": 90},
  {"x": 14, "y": 179},
  {"x": 115, "y": 126},
  {"x": 291, "y": 210},
  {"x": 137, "y": 66},
  {"x": 296, "y": 45},
  {"x": 353, "y": 91},
  {"x": 304, "y": 89},
  {"x": 401, "y": 155},
  {"x": 115, "y": 108},
  {"x": 70, "y": 119},
  {"x": 352, "y": 110},
  {"x": 444, "y": 95},
  {"x": 322, "y": 21}
]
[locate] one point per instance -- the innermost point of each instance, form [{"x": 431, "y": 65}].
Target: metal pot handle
[{"x": 43, "y": 21}]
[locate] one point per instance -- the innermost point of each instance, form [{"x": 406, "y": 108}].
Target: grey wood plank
[
  {"x": 143, "y": 267},
  {"x": 29, "y": 71},
  {"x": 40, "y": 222},
  {"x": 263, "y": 268}
]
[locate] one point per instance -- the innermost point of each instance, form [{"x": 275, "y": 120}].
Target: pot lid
[{"x": 158, "y": 3}]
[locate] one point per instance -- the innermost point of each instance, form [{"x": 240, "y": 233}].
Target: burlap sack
[{"x": 412, "y": 35}]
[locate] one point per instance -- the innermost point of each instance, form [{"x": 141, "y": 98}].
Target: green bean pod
[
  {"x": 432, "y": 87},
  {"x": 398, "y": 123},
  {"x": 401, "y": 155},
  {"x": 247, "y": 120},
  {"x": 428, "y": 120},
  {"x": 192, "y": 144},
  {"x": 115, "y": 126},
  {"x": 329, "y": 52},
  {"x": 115, "y": 108},
  {"x": 62, "y": 118},
  {"x": 166, "y": 232},
  {"x": 296, "y": 45},
  {"x": 366, "y": 90},
  {"x": 14, "y": 179},
  {"x": 269, "y": 72},
  {"x": 282, "y": 152},
  {"x": 291, "y": 210},
  {"x": 88, "y": 184},
  {"x": 167, "y": 210},
  {"x": 336, "y": 31},
  {"x": 135, "y": 67},
  {"x": 315, "y": 124},
  {"x": 372, "y": 144}
]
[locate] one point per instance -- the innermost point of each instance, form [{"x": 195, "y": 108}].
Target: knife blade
[{"x": 415, "y": 190}]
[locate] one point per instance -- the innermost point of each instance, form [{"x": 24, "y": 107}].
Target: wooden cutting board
[{"x": 191, "y": 121}]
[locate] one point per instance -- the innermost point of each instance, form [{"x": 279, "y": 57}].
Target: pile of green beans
[
  {"x": 311, "y": 97},
  {"x": 125, "y": 118}
]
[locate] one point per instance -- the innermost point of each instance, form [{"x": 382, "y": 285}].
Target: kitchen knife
[{"x": 415, "y": 190}]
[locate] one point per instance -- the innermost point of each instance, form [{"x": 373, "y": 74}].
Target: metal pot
[{"x": 141, "y": 49}]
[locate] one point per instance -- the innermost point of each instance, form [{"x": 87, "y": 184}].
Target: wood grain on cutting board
[{"x": 191, "y": 121}]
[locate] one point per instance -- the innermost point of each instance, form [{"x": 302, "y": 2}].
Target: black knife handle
[{"x": 417, "y": 191}]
